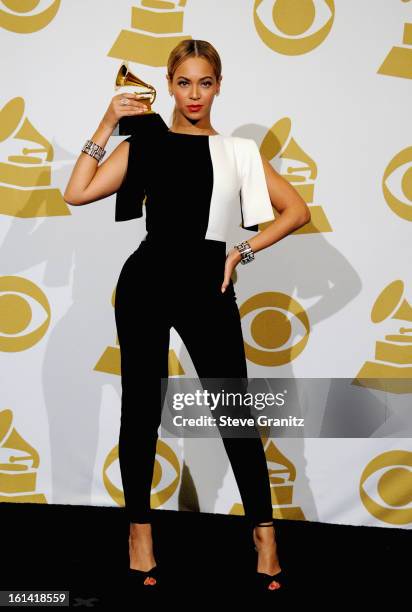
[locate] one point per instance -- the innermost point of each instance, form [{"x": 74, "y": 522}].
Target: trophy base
[
  {"x": 137, "y": 124},
  {"x": 146, "y": 102}
]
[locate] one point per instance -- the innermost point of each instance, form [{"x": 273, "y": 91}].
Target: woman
[{"x": 191, "y": 175}]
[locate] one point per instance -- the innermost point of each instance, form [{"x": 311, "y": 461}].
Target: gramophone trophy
[
  {"x": 127, "y": 82},
  {"x": 130, "y": 83}
]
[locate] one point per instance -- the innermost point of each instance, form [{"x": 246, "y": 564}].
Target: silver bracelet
[
  {"x": 93, "y": 149},
  {"x": 245, "y": 250}
]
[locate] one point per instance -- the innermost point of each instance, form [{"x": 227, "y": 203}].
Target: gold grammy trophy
[
  {"x": 126, "y": 79},
  {"x": 146, "y": 93}
]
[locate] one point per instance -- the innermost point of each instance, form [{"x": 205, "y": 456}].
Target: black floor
[{"x": 204, "y": 557}]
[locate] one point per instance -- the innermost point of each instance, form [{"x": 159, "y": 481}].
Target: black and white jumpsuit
[{"x": 195, "y": 187}]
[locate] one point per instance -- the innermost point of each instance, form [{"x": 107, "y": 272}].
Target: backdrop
[{"x": 324, "y": 88}]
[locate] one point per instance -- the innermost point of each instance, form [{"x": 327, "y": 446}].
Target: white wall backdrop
[{"x": 325, "y": 90}]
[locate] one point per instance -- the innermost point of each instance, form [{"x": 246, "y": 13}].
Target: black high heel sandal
[
  {"x": 144, "y": 578},
  {"x": 149, "y": 578},
  {"x": 268, "y": 582}
]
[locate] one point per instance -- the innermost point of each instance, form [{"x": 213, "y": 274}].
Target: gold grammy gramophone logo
[
  {"x": 25, "y": 177},
  {"x": 157, "y": 27},
  {"x": 301, "y": 172},
  {"x": 19, "y": 465},
  {"x": 271, "y": 328},
  {"x": 399, "y": 171},
  {"x": 109, "y": 362},
  {"x": 166, "y": 475},
  {"x": 392, "y": 369},
  {"x": 398, "y": 62},
  {"x": 282, "y": 476},
  {"x": 301, "y": 26},
  {"x": 19, "y": 16},
  {"x": 389, "y": 476}
]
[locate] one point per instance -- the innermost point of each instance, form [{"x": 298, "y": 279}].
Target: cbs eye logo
[
  {"x": 166, "y": 475},
  {"x": 389, "y": 477},
  {"x": 17, "y": 17},
  {"x": 20, "y": 302},
  {"x": 271, "y": 327},
  {"x": 293, "y": 27},
  {"x": 397, "y": 184}
]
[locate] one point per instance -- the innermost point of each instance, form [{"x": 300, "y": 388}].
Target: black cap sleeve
[
  {"x": 145, "y": 131},
  {"x": 131, "y": 193}
]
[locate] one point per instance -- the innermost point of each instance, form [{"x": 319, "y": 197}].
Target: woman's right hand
[{"x": 116, "y": 110}]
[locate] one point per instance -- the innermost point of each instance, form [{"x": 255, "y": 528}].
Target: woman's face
[{"x": 194, "y": 84}]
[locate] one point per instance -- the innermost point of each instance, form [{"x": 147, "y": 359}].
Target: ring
[{"x": 124, "y": 101}]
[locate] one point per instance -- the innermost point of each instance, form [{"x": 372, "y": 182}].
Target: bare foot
[
  {"x": 268, "y": 562},
  {"x": 141, "y": 547}
]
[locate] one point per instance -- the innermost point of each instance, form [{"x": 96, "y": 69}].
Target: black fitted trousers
[{"x": 154, "y": 293}]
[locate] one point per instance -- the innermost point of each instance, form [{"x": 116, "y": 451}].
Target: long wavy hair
[{"x": 193, "y": 48}]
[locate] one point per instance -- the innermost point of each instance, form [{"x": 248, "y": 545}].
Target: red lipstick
[{"x": 195, "y": 107}]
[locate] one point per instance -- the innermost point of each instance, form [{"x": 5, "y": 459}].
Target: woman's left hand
[{"x": 232, "y": 259}]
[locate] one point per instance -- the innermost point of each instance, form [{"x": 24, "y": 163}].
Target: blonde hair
[{"x": 193, "y": 48}]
